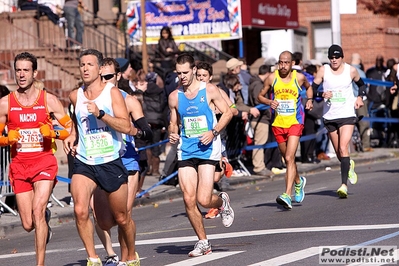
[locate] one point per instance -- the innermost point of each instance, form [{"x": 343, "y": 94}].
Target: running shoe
[
  {"x": 122, "y": 263},
  {"x": 96, "y": 263},
  {"x": 112, "y": 260},
  {"x": 202, "y": 247},
  {"x": 284, "y": 200},
  {"x": 278, "y": 171},
  {"x": 237, "y": 173},
  {"x": 47, "y": 216},
  {"x": 226, "y": 212},
  {"x": 228, "y": 169},
  {"x": 342, "y": 192},
  {"x": 300, "y": 190},
  {"x": 352, "y": 176},
  {"x": 212, "y": 213},
  {"x": 135, "y": 262}
]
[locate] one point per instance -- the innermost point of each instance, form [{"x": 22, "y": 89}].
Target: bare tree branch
[{"x": 385, "y": 7}]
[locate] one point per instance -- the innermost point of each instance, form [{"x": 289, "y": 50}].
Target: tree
[{"x": 385, "y": 7}]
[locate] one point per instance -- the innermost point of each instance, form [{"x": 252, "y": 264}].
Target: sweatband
[
  {"x": 145, "y": 128},
  {"x": 362, "y": 88},
  {"x": 3, "y": 141},
  {"x": 66, "y": 121},
  {"x": 315, "y": 86}
]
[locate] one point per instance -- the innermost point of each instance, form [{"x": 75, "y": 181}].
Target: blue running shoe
[
  {"x": 300, "y": 190},
  {"x": 284, "y": 200}
]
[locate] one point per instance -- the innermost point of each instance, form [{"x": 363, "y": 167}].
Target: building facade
[{"x": 364, "y": 32}]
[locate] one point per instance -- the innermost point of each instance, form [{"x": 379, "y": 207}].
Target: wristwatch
[
  {"x": 102, "y": 113},
  {"x": 215, "y": 132}
]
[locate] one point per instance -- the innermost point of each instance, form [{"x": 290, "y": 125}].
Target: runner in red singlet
[{"x": 33, "y": 168}]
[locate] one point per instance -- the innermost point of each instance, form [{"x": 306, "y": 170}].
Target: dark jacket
[
  {"x": 154, "y": 105},
  {"x": 163, "y": 44},
  {"x": 255, "y": 87}
]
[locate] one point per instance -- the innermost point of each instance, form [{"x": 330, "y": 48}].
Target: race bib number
[
  {"x": 286, "y": 107},
  {"x": 338, "y": 97},
  {"x": 31, "y": 140},
  {"x": 195, "y": 126},
  {"x": 99, "y": 144}
]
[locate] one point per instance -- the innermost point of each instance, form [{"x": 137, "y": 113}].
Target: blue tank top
[
  {"x": 130, "y": 157},
  {"x": 196, "y": 118}
]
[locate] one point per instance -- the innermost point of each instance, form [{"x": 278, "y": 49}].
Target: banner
[{"x": 190, "y": 20}]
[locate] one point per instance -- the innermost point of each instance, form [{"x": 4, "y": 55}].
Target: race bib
[
  {"x": 286, "y": 107},
  {"x": 99, "y": 144},
  {"x": 195, "y": 126},
  {"x": 338, "y": 97},
  {"x": 31, "y": 140}
]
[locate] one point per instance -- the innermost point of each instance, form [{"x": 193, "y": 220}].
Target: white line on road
[
  {"x": 290, "y": 257},
  {"x": 32, "y": 253},
  {"x": 206, "y": 258},
  {"x": 265, "y": 232}
]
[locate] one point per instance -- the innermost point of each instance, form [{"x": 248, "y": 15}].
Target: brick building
[{"x": 363, "y": 33}]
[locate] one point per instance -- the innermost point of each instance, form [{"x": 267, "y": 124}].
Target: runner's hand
[
  {"x": 13, "y": 136},
  {"x": 173, "y": 138},
  {"x": 46, "y": 131}
]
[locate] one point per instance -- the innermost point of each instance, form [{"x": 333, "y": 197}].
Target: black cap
[
  {"x": 123, "y": 63},
  {"x": 335, "y": 51}
]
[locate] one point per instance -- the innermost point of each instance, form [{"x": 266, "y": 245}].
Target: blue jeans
[{"x": 74, "y": 21}]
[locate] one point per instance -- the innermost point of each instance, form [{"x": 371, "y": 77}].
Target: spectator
[
  {"x": 234, "y": 67},
  {"x": 42, "y": 10},
  {"x": 74, "y": 23},
  {"x": 4, "y": 91},
  {"x": 155, "y": 108},
  {"x": 363, "y": 125},
  {"x": 310, "y": 126},
  {"x": 234, "y": 140},
  {"x": 298, "y": 65},
  {"x": 376, "y": 94},
  {"x": 260, "y": 125},
  {"x": 167, "y": 49},
  {"x": 393, "y": 105}
]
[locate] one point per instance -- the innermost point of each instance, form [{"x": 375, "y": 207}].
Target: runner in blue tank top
[{"x": 193, "y": 125}]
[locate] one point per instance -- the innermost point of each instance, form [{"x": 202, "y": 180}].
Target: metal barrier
[{"x": 5, "y": 186}]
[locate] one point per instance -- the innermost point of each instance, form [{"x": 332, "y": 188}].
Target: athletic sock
[{"x": 345, "y": 165}]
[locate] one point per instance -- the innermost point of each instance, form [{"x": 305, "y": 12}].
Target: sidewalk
[{"x": 11, "y": 224}]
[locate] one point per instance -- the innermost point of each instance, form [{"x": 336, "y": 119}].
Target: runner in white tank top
[{"x": 339, "y": 109}]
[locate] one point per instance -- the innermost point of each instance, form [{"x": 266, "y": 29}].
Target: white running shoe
[
  {"x": 202, "y": 247},
  {"x": 226, "y": 212}
]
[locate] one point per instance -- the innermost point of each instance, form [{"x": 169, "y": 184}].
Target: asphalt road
[{"x": 263, "y": 233}]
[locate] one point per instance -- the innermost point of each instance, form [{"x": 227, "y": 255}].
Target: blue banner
[{"x": 190, "y": 20}]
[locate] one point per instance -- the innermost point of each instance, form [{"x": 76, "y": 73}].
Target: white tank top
[
  {"x": 98, "y": 143},
  {"x": 342, "y": 103}
]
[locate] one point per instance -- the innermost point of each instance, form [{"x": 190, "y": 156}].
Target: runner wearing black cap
[{"x": 339, "y": 109}]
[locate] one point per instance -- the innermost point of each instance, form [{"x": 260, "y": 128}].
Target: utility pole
[
  {"x": 144, "y": 52},
  {"x": 335, "y": 22}
]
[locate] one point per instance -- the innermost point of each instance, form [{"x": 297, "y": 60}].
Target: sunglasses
[{"x": 108, "y": 76}]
